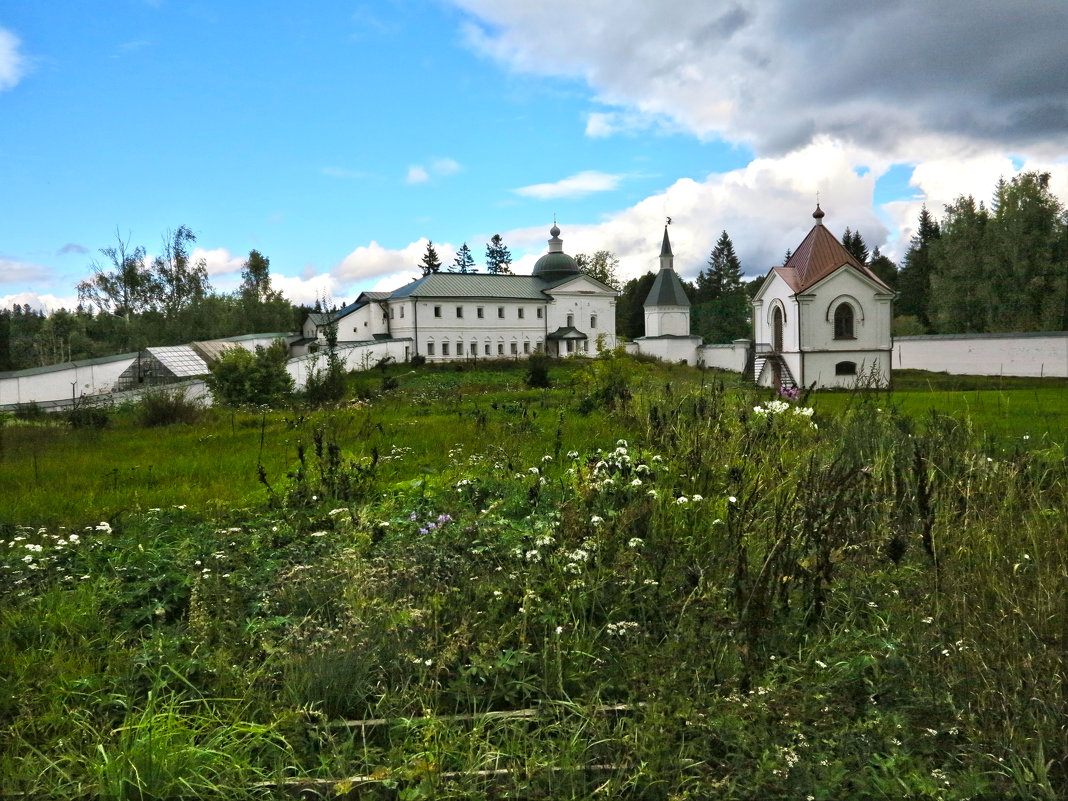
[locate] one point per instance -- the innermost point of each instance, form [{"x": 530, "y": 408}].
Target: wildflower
[
  {"x": 534, "y": 471},
  {"x": 597, "y": 520},
  {"x": 318, "y": 533},
  {"x": 559, "y": 629},
  {"x": 428, "y": 662},
  {"x": 424, "y": 531},
  {"x": 635, "y": 542},
  {"x": 682, "y": 500},
  {"x": 695, "y": 497},
  {"x": 732, "y": 499},
  {"x": 622, "y": 443},
  {"x": 546, "y": 458},
  {"x": 104, "y": 526},
  {"x": 657, "y": 458},
  {"x": 572, "y": 454},
  {"x": 544, "y": 540},
  {"x": 636, "y": 482},
  {"x": 652, "y": 493},
  {"x": 413, "y": 516},
  {"x": 578, "y": 555},
  {"x": 821, "y": 664},
  {"x": 927, "y": 620},
  {"x": 533, "y": 556}
]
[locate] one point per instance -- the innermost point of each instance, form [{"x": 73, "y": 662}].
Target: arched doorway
[{"x": 776, "y": 329}]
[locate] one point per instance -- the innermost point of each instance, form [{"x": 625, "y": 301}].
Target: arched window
[
  {"x": 843, "y": 322},
  {"x": 845, "y": 368},
  {"x": 776, "y": 329}
]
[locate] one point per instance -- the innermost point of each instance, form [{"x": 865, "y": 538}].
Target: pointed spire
[{"x": 667, "y": 259}]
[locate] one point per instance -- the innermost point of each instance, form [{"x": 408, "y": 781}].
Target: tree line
[{"x": 130, "y": 302}]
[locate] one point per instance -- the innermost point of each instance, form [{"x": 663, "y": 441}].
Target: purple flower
[
  {"x": 432, "y": 526},
  {"x": 423, "y": 531},
  {"x": 444, "y": 518},
  {"x": 413, "y": 516}
]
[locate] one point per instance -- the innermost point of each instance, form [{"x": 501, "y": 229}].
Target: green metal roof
[
  {"x": 474, "y": 285},
  {"x": 667, "y": 290}
]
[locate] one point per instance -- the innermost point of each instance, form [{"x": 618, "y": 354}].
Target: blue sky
[{"x": 337, "y": 137}]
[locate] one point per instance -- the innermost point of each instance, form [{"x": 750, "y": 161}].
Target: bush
[
  {"x": 243, "y": 378},
  {"x": 83, "y": 415},
  {"x": 164, "y": 406},
  {"x": 29, "y": 411},
  {"x": 328, "y": 384},
  {"x": 538, "y": 371},
  {"x": 418, "y": 360}
]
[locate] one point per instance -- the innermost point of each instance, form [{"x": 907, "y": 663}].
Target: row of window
[
  {"x": 480, "y": 312},
  {"x": 431, "y": 348}
]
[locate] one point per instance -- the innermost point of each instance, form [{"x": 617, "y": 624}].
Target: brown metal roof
[{"x": 819, "y": 254}]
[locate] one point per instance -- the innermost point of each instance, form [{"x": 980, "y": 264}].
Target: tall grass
[{"x": 472, "y": 590}]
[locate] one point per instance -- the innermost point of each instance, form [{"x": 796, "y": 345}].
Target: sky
[{"x": 338, "y": 138}]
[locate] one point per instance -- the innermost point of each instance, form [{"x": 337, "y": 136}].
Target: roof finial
[
  {"x": 817, "y": 215},
  {"x": 669, "y": 221}
]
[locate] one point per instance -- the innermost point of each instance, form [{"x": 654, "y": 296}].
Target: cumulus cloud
[
  {"x": 766, "y": 207},
  {"x": 13, "y": 272},
  {"x": 46, "y": 303},
  {"x": 306, "y": 290},
  {"x": 12, "y": 63},
  {"x": 373, "y": 261},
  {"x": 417, "y": 175},
  {"x": 219, "y": 260},
  {"x": 577, "y": 185},
  {"x": 775, "y": 73}
]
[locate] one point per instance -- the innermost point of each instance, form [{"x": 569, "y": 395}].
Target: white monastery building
[
  {"x": 557, "y": 309},
  {"x": 822, "y": 318}
]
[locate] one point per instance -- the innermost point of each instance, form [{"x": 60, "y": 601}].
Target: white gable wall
[{"x": 584, "y": 300}]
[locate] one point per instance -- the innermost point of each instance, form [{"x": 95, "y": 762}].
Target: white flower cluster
[
  {"x": 774, "y": 407},
  {"x": 623, "y": 628}
]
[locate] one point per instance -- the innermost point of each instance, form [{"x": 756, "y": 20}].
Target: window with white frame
[
  {"x": 444, "y": 348},
  {"x": 521, "y": 311},
  {"x": 459, "y": 312},
  {"x": 437, "y": 311},
  {"x": 500, "y": 312},
  {"x": 429, "y": 348},
  {"x": 480, "y": 313}
]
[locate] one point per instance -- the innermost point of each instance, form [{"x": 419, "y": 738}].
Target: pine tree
[
  {"x": 854, "y": 243},
  {"x": 430, "y": 262},
  {"x": 724, "y": 273},
  {"x": 883, "y": 267},
  {"x": 464, "y": 262},
  {"x": 721, "y": 311},
  {"x": 498, "y": 259},
  {"x": 914, "y": 278}
]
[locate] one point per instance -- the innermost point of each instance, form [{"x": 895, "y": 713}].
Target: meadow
[{"x": 644, "y": 581}]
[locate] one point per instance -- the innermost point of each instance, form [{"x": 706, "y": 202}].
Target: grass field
[{"x": 644, "y": 582}]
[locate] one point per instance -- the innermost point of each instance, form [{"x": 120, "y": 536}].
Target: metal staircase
[{"x": 768, "y": 360}]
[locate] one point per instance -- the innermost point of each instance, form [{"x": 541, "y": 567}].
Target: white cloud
[
  {"x": 219, "y": 260},
  {"x": 765, "y": 207},
  {"x": 13, "y": 272},
  {"x": 46, "y": 303},
  {"x": 12, "y": 64},
  {"x": 439, "y": 168},
  {"x": 577, "y": 185},
  {"x": 306, "y": 290},
  {"x": 374, "y": 261}
]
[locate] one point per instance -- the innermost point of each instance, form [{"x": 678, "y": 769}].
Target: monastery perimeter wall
[{"x": 1033, "y": 354}]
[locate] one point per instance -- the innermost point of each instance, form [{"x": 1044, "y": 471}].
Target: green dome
[
  {"x": 552, "y": 264},
  {"x": 555, "y": 264}
]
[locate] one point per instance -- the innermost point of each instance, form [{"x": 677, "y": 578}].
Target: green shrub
[
  {"x": 537, "y": 376},
  {"x": 164, "y": 406},
  {"x": 326, "y": 385},
  {"x": 83, "y": 415},
  {"x": 242, "y": 378},
  {"x": 418, "y": 360}
]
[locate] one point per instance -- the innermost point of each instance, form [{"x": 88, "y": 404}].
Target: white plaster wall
[
  {"x": 667, "y": 321},
  {"x": 55, "y": 384},
  {"x": 1030, "y": 354},
  {"x": 355, "y": 357},
  {"x": 584, "y": 300},
  {"x": 671, "y": 349},
  {"x": 820, "y": 367},
  {"x": 871, "y": 314},
  {"x": 491, "y": 329},
  {"x": 725, "y": 357},
  {"x": 778, "y": 291}
]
